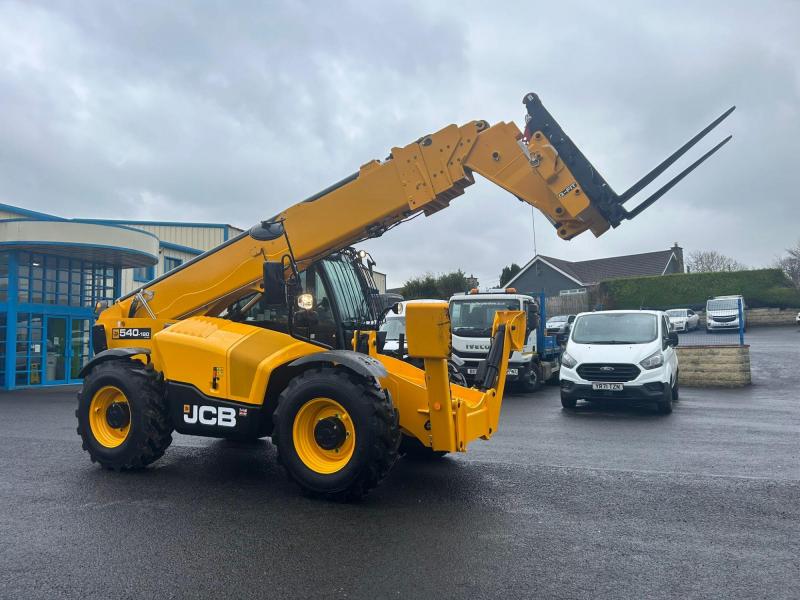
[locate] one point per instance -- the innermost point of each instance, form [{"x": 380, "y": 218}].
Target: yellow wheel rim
[
  {"x": 324, "y": 435},
  {"x": 106, "y": 404}
]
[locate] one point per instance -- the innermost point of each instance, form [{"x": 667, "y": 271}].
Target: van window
[
  {"x": 615, "y": 328},
  {"x": 723, "y": 304}
]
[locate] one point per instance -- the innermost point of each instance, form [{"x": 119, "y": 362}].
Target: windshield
[
  {"x": 394, "y": 327},
  {"x": 723, "y": 304},
  {"x": 676, "y": 313},
  {"x": 558, "y": 319},
  {"x": 349, "y": 289},
  {"x": 615, "y": 328},
  {"x": 474, "y": 318}
]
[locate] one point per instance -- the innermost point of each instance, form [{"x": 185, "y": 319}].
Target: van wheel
[
  {"x": 664, "y": 406},
  {"x": 675, "y": 390},
  {"x": 567, "y": 402}
]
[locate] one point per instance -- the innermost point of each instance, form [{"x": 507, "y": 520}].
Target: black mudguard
[
  {"x": 113, "y": 354},
  {"x": 355, "y": 361}
]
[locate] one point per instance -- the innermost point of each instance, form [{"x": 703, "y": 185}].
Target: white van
[
  {"x": 722, "y": 313},
  {"x": 621, "y": 354},
  {"x": 394, "y": 325}
]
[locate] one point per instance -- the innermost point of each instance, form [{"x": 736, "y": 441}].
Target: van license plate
[
  {"x": 614, "y": 387},
  {"x": 472, "y": 371}
]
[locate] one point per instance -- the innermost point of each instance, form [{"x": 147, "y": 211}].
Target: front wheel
[
  {"x": 122, "y": 415},
  {"x": 336, "y": 433},
  {"x": 664, "y": 405},
  {"x": 530, "y": 381},
  {"x": 567, "y": 402}
]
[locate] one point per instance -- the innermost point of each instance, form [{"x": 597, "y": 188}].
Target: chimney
[{"x": 678, "y": 251}]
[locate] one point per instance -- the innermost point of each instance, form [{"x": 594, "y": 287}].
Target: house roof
[{"x": 590, "y": 272}]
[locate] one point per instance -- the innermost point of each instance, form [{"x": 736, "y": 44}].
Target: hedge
[{"x": 760, "y": 288}]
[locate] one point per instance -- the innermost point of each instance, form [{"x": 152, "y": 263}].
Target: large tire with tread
[
  {"x": 368, "y": 416},
  {"x": 412, "y": 448},
  {"x": 137, "y": 393}
]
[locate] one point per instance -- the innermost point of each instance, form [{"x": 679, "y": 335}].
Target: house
[{"x": 557, "y": 277}]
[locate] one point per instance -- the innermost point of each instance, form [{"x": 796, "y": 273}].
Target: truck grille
[
  {"x": 724, "y": 319},
  {"x": 608, "y": 372}
]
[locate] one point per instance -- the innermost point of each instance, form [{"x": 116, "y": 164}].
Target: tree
[
  {"x": 711, "y": 261},
  {"x": 508, "y": 273},
  {"x": 441, "y": 286},
  {"x": 420, "y": 287},
  {"x": 790, "y": 264}
]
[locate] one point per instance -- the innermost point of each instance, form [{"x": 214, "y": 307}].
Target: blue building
[{"x": 54, "y": 270}]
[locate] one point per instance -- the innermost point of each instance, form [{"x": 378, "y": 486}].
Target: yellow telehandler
[{"x": 275, "y": 332}]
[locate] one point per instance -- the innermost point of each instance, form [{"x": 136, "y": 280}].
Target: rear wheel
[
  {"x": 336, "y": 433},
  {"x": 122, "y": 415},
  {"x": 567, "y": 402}
]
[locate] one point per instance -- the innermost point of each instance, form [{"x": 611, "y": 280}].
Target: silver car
[{"x": 683, "y": 319}]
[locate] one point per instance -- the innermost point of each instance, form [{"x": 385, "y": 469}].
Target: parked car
[
  {"x": 683, "y": 319},
  {"x": 559, "y": 324},
  {"x": 621, "y": 354},
  {"x": 722, "y": 313},
  {"x": 394, "y": 325}
]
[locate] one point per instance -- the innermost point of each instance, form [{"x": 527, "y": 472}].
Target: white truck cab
[
  {"x": 620, "y": 354},
  {"x": 471, "y": 318}
]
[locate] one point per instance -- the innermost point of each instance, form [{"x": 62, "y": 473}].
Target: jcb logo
[{"x": 209, "y": 415}]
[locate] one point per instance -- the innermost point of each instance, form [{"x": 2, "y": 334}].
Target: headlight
[
  {"x": 305, "y": 301},
  {"x": 653, "y": 361},
  {"x": 568, "y": 361}
]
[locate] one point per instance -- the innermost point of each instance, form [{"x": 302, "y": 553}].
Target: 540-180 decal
[{"x": 131, "y": 333}]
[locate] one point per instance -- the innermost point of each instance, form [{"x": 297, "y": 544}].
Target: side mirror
[
  {"x": 274, "y": 283},
  {"x": 673, "y": 338}
]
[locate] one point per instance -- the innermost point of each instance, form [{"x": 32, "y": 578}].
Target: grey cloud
[{"x": 230, "y": 112}]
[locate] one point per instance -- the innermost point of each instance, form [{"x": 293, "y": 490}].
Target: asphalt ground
[{"x": 603, "y": 502}]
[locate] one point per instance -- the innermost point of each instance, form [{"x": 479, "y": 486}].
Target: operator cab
[{"x": 328, "y": 301}]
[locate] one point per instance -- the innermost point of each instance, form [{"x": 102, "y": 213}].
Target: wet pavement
[{"x": 603, "y": 502}]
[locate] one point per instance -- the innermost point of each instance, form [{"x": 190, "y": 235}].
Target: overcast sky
[{"x": 232, "y": 111}]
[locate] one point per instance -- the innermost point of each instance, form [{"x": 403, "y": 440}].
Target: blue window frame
[
  {"x": 170, "y": 262},
  {"x": 144, "y": 274}
]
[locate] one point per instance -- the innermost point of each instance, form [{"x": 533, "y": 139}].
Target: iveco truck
[{"x": 471, "y": 317}]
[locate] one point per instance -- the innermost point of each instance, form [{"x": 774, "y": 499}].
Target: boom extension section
[{"x": 541, "y": 167}]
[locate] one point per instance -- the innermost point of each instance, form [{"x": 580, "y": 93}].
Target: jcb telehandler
[{"x": 274, "y": 333}]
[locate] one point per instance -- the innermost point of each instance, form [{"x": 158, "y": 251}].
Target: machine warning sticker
[
  {"x": 567, "y": 189},
  {"x": 130, "y": 333}
]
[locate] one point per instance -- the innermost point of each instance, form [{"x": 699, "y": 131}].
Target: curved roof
[{"x": 122, "y": 247}]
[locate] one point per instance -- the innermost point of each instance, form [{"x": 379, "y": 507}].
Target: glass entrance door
[
  {"x": 57, "y": 344},
  {"x": 79, "y": 346}
]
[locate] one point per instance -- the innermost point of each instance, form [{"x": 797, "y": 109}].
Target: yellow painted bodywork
[{"x": 234, "y": 361}]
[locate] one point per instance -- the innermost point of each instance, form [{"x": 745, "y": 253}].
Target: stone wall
[
  {"x": 757, "y": 317},
  {"x": 714, "y": 366}
]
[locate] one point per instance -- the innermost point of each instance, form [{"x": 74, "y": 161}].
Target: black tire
[
  {"x": 567, "y": 402},
  {"x": 664, "y": 406},
  {"x": 150, "y": 430},
  {"x": 532, "y": 381},
  {"x": 375, "y": 422},
  {"x": 413, "y": 449},
  {"x": 676, "y": 390}
]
